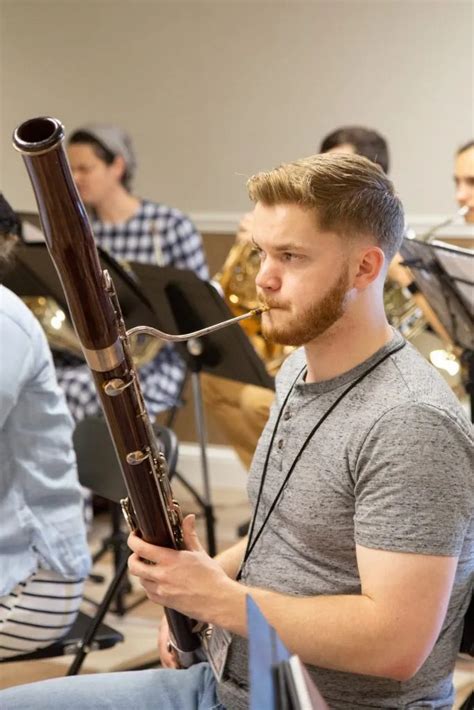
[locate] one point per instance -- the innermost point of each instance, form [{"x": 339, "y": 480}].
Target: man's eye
[{"x": 289, "y": 256}]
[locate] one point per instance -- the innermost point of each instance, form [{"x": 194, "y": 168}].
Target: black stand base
[{"x": 103, "y": 607}]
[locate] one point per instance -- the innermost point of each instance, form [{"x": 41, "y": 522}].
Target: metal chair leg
[{"x": 85, "y": 645}]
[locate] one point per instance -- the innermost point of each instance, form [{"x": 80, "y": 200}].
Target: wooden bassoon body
[{"x": 97, "y": 318}]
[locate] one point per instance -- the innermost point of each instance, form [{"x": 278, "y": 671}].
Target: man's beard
[{"x": 315, "y": 320}]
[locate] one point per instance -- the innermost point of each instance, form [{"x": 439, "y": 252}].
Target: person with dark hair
[
  {"x": 360, "y": 552},
  {"x": 464, "y": 179},
  {"x": 359, "y": 140},
  {"x": 10, "y": 231},
  {"x": 44, "y": 554},
  {"x": 111, "y": 145},
  {"x": 131, "y": 229}
]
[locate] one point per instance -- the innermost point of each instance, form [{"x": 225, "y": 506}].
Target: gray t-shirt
[{"x": 390, "y": 469}]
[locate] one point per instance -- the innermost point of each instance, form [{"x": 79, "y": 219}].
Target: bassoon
[{"x": 150, "y": 507}]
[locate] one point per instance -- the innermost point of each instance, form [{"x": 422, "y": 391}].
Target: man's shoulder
[
  {"x": 15, "y": 315},
  {"x": 158, "y": 210},
  {"x": 406, "y": 386},
  {"x": 24, "y": 344},
  {"x": 413, "y": 384}
]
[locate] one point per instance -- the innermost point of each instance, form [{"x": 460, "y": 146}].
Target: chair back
[{"x": 97, "y": 463}]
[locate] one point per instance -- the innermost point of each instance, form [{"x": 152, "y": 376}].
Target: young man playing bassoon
[{"x": 360, "y": 552}]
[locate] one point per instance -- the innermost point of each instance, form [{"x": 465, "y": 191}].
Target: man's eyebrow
[{"x": 288, "y": 246}]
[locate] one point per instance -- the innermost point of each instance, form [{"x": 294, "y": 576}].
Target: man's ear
[
  {"x": 119, "y": 166},
  {"x": 371, "y": 262}
]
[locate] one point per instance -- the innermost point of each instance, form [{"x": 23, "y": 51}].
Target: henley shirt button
[{"x": 280, "y": 443}]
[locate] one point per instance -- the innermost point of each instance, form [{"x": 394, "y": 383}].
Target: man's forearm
[
  {"x": 345, "y": 633},
  {"x": 230, "y": 560}
]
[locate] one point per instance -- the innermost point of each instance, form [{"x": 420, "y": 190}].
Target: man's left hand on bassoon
[{"x": 189, "y": 580}]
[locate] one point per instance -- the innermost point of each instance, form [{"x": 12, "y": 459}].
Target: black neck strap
[{"x": 252, "y": 542}]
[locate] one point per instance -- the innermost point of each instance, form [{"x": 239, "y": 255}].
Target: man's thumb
[{"x": 190, "y": 536}]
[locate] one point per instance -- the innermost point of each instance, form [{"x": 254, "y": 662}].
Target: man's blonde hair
[{"x": 349, "y": 195}]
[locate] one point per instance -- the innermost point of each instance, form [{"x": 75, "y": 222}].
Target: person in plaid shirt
[{"x": 130, "y": 229}]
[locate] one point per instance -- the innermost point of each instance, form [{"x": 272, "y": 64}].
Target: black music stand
[
  {"x": 184, "y": 303},
  {"x": 33, "y": 274},
  {"x": 445, "y": 276}
]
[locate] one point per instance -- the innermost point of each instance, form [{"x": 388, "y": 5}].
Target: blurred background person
[
  {"x": 464, "y": 179},
  {"x": 131, "y": 229},
  {"x": 359, "y": 140},
  {"x": 45, "y": 558}
]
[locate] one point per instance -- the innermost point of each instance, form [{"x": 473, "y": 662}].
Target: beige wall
[{"x": 214, "y": 90}]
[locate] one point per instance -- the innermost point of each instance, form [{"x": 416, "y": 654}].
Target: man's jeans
[{"x": 162, "y": 689}]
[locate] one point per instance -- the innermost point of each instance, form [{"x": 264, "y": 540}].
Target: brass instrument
[
  {"x": 411, "y": 313},
  {"x": 62, "y": 337},
  {"x": 430, "y": 234},
  {"x": 402, "y": 311},
  {"x": 59, "y": 332},
  {"x": 237, "y": 279}
]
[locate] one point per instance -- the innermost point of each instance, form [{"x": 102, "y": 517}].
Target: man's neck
[
  {"x": 119, "y": 207},
  {"x": 344, "y": 346}
]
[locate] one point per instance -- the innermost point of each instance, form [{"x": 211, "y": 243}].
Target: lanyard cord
[{"x": 251, "y": 544}]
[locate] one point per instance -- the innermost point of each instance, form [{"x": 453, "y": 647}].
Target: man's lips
[{"x": 269, "y": 304}]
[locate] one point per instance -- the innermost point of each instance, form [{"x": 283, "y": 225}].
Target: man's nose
[
  {"x": 268, "y": 277},
  {"x": 461, "y": 193}
]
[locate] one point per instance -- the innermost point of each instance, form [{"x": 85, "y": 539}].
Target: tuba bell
[
  {"x": 237, "y": 280},
  {"x": 58, "y": 329},
  {"x": 55, "y": 322},
  {"x": 62, "y": 337}
]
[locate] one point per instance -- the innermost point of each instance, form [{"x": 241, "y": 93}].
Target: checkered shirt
[{"x": 156, "y": 234}]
